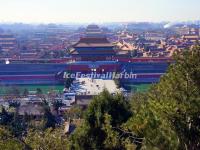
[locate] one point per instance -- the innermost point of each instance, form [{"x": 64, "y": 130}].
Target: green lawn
[
  {"x": 59, "y": 88},
  {"x": 44, "y": 88},
  {"x": 139, "y": 87}
]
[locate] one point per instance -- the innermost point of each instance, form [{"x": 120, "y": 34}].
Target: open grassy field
[
  {"x": 59, "y": 88},
  {"x": 139, "y": 87}
]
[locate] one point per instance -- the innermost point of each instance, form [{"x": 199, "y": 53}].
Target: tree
[
  {"x": 26, "y": 92},
  {"x": 39, "y": 91},
  {"x": 17, "y": 126},
  {"x": 75, "y": 112},
  {"x": 150, "y": 127},
  {"x": 118, "y": 83},
  {"x": 48, "y": 118},
  {"x": 104, "y": 114},
  {"x": 57, "y": 104},
  {"x": 40, "y": 94},
  {"x": 49, "y": 139},
  {"x": 14, "y": 104},
  {"x": 13, "y": 122},
  {"x": 15, "y": 91},
  {"x": 168, "y": 116},
  {"x": 68, "y": 82},
  {"x": 180, "y": 97},
  {"x": 8, "y": 142},
  {"x": 5, "y": 117}
]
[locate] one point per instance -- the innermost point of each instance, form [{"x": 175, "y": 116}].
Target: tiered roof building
[{"x": 94, "y": 46}]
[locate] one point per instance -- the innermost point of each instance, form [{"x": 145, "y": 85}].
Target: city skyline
[{"x": 96, "y": 11}]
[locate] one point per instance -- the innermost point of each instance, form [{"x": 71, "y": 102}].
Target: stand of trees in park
[{"x": 167, "y": 117}]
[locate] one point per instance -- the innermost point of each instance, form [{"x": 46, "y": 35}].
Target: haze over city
[
  {"x": 62, "y": 11},
  {"x": 99, "y": 75}
]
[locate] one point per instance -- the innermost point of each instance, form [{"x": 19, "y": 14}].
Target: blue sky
[{"x": 62, "y": 11}]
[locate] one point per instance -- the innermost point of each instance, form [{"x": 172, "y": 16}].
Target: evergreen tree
[
  {"x": 5, "y": 117},
  {"x": 48, "y": 118},
  {"x": 168, "y": 116},
  {"x": 104, "y": 115},
  {"x": 25, "y": 93},
  {"x": 8, "y": 142},
  {"x": 47, "y": 140}
]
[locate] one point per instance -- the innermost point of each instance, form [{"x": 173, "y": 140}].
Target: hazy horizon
[{"x": 98, "y": 11}]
